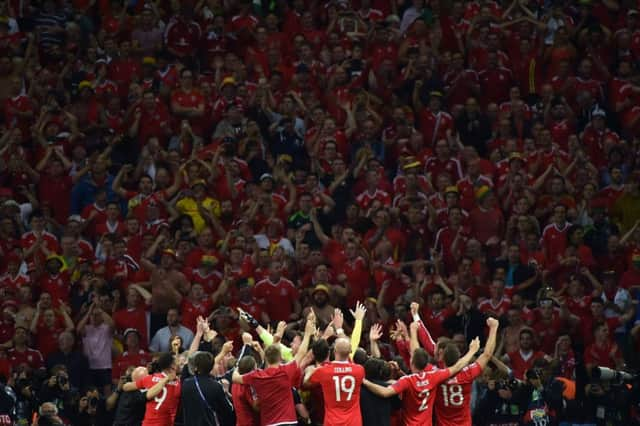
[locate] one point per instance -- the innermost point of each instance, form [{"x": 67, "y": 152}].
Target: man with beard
[{"x": 320, "y": 305}]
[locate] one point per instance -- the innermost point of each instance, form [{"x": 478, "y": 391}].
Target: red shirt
[
  {"x": 520, "y": 364},
  {"x": 341, "y": 382},
  {"x": 486, "y": 223},
  {"x": 191, "y": 311},
  {"x": 50, "y": 242},
  {"x": 30, "y": 357},
  {"x": 182, "y": 37},
  {"x": 435, "y": 320},
  {"x": 554, "y": 241},
  {"x": 603, "y": 356},
  {"x": 58, "y": 286},
  {"x": 278, "y": 297},
  {"x": 129, "y": 359},
  {"x": 434, "y": 126},
  {"x": 365, "y": 200},
  {"x": 418, "y": 395},
  {"x": 153, "y": 123},
  {"x": 192, "y": 99},
  {"x": 273, "y": 387},
  {"x": 132, "y": 318},
  {"x": 495, "y": 84},
  {"x": 358, "y": 279},
  {"x": 244, "y": 397},
  {"x": 161, "y": 410},
  {"x": 334, "y": 252},
  {"x": 495, "y": 309},
  {"x": 47, "y": 339},
  {"x": 436, "y": 167},
  {"x": 453, "y": 399},
  {"x": 12, "y": 284}
]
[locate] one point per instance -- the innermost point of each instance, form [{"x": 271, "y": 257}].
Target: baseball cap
[
  {"x": 266, "y": 176},
  {"x": 320, "y": 287}
]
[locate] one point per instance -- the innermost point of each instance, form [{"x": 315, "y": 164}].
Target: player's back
[
  {"x": 418, "y": 395},
  {"x": 161, "y": 410},
  {"x": 453, "y": 398},
  {"x": 341, "y": 382}
]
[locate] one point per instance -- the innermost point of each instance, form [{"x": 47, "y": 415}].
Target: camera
[
  {"x": 607, "y": 374},
  {"x": 62, "y": 380},
  {"x": 93, "y": 402}
]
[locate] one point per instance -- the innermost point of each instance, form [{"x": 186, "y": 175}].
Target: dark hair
[
  {"x": 451, "y": 354},
  {"x": 164, "y": 361},
  {"x": 360, "y": 356},
  {"x": 202, "y": 362},
  {"x": 526, "y": 331},
  {"x": 420, "y": 359},
  {"x": 372, "y": 368},
  {"x": 320, "y": 350}
]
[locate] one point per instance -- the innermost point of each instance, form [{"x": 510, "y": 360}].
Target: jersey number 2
[
  {"x": 425, "y": 399},
  {"x": 344, "y": 384}
]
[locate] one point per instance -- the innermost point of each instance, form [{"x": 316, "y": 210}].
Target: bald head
[
  {"x": 139, "y": 373},
  {"x": 342, "y": 349}
]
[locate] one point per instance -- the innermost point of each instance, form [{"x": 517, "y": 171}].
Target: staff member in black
[
  {"x": 204, "y": 401},
  {"x": 130, "y": 406}
]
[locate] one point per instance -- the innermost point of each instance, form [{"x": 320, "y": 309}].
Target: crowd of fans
[{"x": 188, "y": 176}]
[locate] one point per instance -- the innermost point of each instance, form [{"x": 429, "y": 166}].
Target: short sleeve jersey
[
  {"x": 418, "y": 395},
  {"x": 273, "y": 388},
  {"x": 453, "y": 397},
  {"x": 161, "y": 410},
  {"x": 341, "y": 382}
]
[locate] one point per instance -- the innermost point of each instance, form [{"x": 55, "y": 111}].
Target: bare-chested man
[{"x": 168, "y": 285}]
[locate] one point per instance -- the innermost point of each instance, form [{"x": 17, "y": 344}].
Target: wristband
[
  {"x": 339, "y": 331},
  {"x": 416, "y": 317}
]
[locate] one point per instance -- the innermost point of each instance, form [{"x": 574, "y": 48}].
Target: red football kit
[
  {"x": 453, "y": 398},
  {"x": 161, "y": 410},
  {"x": 273, "y": 387},
  {"x": 341, "y": 382},
  {"x": 418, "y": 395}
]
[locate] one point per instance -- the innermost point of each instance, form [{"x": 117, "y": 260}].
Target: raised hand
[
  {"x": 337, "y": 319},
  {"x": 375, "y": 333},
  {"x": 414, "y": 326},
  {"x": 415, "y": 307},
  {"x": 359, "y": 312},
  {"x": 474, "y": 345}
]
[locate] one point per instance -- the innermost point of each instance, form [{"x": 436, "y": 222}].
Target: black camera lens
[
  {"x": 62, "y": 380},
  {"x": 93, "y": 401}
]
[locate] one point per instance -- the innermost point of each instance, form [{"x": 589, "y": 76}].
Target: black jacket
[{"x": 215, "y": 406}]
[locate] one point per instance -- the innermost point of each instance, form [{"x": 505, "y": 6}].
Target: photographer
[
  {"x": 56, "y": 390},
  {"x": 91, "y": 410},
  {"x": 129, "y": 406},
  {"x": 494, "y": 404}
]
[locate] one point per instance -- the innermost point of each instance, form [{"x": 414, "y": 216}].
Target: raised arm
[
  {"x": 309, "y": 330},
  {"x": 466, "y": 359},
  {"x": 490, "y": 346},
  {"x": 358, "y": 315},
  {"x": 424, "y": 337}
]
